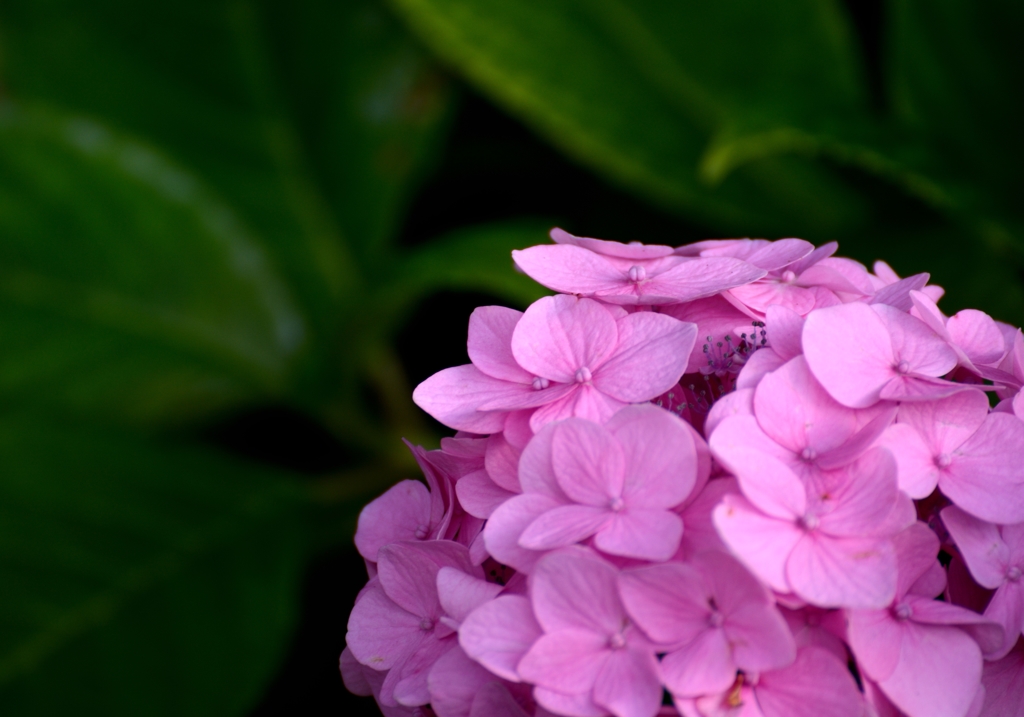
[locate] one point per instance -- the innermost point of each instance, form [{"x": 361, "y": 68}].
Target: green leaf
[
  {"x": 127, "y": 288},
  {"x": 369, "y": 105},
  {"x": 635, "y": 90},
  {"x": 476, "y": 258},
  {"x": 954, "y": 74},
  {"x": 307, "y": 123},
  {"x": 139, "y": 578}
]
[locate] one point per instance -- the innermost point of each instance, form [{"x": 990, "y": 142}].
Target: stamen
[
  {"x": 583, "y": 375},
  {"x": 421, "y": 531},
  {"x": 808, "y": 454},
  {"x": 540, "y": 383},
  {"x": 637, "y": 274},
  {"x": 788, "y": 276}
]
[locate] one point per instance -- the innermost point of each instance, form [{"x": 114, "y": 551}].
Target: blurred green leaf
[
  {"x": 635, "y": 90},
  {"x": 139, "y": 579},
  {"x": 955, "y": 75},
  {"x": 127, "y": 288},
  {"x": 309, "y": 122},
  {"x": 476, "y": 258},
  {"x": 368, "y": 103}
]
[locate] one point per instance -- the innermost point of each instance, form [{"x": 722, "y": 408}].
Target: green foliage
[
  {"x": 200, "y": 210},
  {"x": 139, "y": 577}
]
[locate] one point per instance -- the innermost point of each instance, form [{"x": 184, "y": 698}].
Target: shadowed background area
[{"x": 234, "y": 235}]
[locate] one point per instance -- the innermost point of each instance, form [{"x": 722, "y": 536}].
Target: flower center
[
  {"x": 1013, "y": 574},
  {"x": 616, "y": 504},
  {"x": 903, "y": 612},
  {"x": 715, "y": 619},
  {"x": 426, "y": 624},
  {"x": 808, "y": 454},
  {"x": 583, "y": 375},
  {"x": 617, "y": 641},
  {"x": 421, "y": 532},
  {"x": 637, "y": 274},
  {"x": 943, "y": 460},
  {"x": 903, "y": 367},
  {"x": 540, "y": 383},
  {"x": 810, "y": 521},
  {"x": 788, "y": 276}
]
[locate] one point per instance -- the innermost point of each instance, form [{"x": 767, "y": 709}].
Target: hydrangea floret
[{"x": 738, "y": 478}]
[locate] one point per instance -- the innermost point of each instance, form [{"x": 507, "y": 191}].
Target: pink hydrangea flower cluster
[{"x": 738, "y": 478}]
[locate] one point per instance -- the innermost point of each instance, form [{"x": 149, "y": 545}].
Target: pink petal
[
  {"x": 759, "y": 296},
  {"x": 566, "y": 660},
  {"x": 669, "y": 601},
  {"x": 898, "y": 294},
  {"x": 479, "y": 495},
  {"x": 633, "y": 250},
  {"x": 1004, "y": 684},
  {"x": 945, "y": 424},
  {"x": 353, "y": 674},
  {"x": 779, "y": 254},
  {"x": 912, "y": 341},
  {"x": 560, "y": 334},
  {"x": 494, "y": 700},
  {"x": 985, "y": 477},
  {"x": 453, "y": 683},
  {"x": 501, "y": 460},
  {"x": 380, "y": 633},
  {"x": 490, "y": 343},
  {"x": 817, "y": 684},
  {"x": 649, "y": 359},
  {"x": 838, "y": 274},
  {"x": 659, "y": 453},
  {"x": 536, "y": 473},
  {"x": 759, "y": 365},
  {"x": 643, "y": 534},
  {"x": 760, "y": 638},
  {"x": 738, "y": 403},
  {"x": 453, "y": 395},
  {"x": 938, "y": 672},
  {"x": 461, "y": 594},
  {"x": 498, "y": 633},
  {"x": 714, "y": 317},
  {"x": 398, "y": 514},
  {"x": 875, "y": 638},
  {"x": 411, "y": 688},
  {"x": 698, "y": 278},
  {"x": 917, "y": 548},
  {"x": 977, "y": 335},
  {"x": 574, "y": 588},
  {"x": 570, "y": 269},
  {"x": 849, "y": 350},
  {"x": 628, "y": 684},
  {"x": 564, "y": 525},
  {"x": 1007, "y": 610},
  {"x": 582, "y": 401},
  {"x": 843, "y": 572},
  {"x": 981, "y": 545},
  {"x": 796, "y": 412},
  {"x": 761, "y": 542},
  {"x": 918, "y": 388},
  {"x": 700, "y": 667},
  {"x": 408, "y": 572},
  {"x": 786, "y": 329},
  {"x": 764, "y": 479},
  {"x": 916, "y": 471},
  {"x": 865, "y": 496},
  {"x": 507, "y": 523},
  {"x": 588, "y": 462},
  {"x": 559, "y": 703},
  {"x": 987, "y": 633}
]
